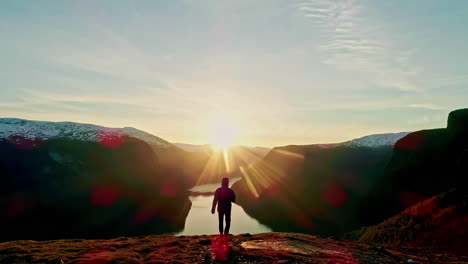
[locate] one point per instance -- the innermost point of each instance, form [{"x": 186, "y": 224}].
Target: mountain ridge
[{"x": 32, "y": 129}]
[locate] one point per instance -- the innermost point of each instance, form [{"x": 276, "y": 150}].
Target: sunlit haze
[
  {"x": 223, "y": 129},
  {"x": 222, "y": 134},
  {"x": 259, "y": 73}
]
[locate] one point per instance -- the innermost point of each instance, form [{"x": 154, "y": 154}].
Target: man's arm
[
  {"x": 233, "y": 197},
  {"x": 215, "y": 201}
]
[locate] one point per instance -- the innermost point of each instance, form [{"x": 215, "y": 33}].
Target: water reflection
[{"x": 200, "y": 221}]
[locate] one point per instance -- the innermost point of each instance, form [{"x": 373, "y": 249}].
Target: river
[{"x": 200, "y": 221}]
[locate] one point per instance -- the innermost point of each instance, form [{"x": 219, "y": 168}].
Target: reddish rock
[{"x": 259, "y": 248}]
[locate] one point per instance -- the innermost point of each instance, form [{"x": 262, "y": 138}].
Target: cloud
[
  {"x": 354, "y": 43},
  {"x": 428, "y": 120},
  {"x": 427, "y": 106}
]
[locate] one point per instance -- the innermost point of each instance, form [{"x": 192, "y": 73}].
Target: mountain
[
  {"x": 388, "y": 139},
  {"x": 314, "y": 188},
  {"x": 44, "y": 130},
  {"x": 423, "y": 164},
  {"x": 376, "y": 140},
  {"x": 195, "y": 148},
  {"x": 311, "y": 189},
  {"x": 189, "y": 165},
  {"x": 260, "y": 151},
  {"x": 329, "y": 189},
  {"x": 83, "y": 180},
  {"x": 64, "y": 187}
]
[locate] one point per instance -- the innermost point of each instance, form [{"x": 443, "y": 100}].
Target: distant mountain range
[
  {"x": 192, "y": 160},
  {"x": 44, "y": 130},
  {"x": 195, "y": 148},
  {"x": 11, "y": 127},
  {"x": 207, "y": 148}
]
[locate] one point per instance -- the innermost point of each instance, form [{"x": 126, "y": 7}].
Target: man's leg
[
  {"x": 228, "y": 222},
  {"x": 220, "y": 221}
]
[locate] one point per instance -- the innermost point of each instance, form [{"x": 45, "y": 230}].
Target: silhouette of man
[{"x": 224, "y": 196}]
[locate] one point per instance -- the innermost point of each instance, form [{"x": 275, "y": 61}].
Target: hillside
[
  {"x": 334, "y": 188},
  {"x": 438, "y": 222},
  {"x": 311, "y": 189},
  {"x": 67, "y": 188}
]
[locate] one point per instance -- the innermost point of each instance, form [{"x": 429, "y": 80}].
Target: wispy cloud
[
  {"x": 427, "y": 106},
  {"x": 353, "y": 43},
  {"x": 428, "y": 120}
]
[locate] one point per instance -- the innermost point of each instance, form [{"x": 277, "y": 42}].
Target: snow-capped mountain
[
  {"x": 44, "y": 130},
  {"x": 388, "y": 139},
  {"x": 147, "y": 137}
]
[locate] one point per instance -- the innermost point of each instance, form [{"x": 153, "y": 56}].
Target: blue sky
[{"x": 283, "y": 72}]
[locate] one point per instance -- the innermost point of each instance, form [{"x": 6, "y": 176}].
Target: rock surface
[
  {"x": 438, "y": 222},
  {"x": 246, "y": 248},
  {"x": 458, "y": 121}
]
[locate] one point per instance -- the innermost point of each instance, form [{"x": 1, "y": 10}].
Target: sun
[{"x": 223, "y": 133}]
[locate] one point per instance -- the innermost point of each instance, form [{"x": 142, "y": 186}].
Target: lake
[{"x": 200, "y": 221}]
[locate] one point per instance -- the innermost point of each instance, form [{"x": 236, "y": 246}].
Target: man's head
[{"x": 225, "y": 182}]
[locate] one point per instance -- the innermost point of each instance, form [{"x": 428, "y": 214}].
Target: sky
[{"x": 278, "y": 72}]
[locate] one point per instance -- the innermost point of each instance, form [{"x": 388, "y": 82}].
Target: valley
[{"x": 85, "y": 181}]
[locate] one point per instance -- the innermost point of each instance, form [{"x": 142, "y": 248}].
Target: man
[{"x": 224, "y": 196}]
